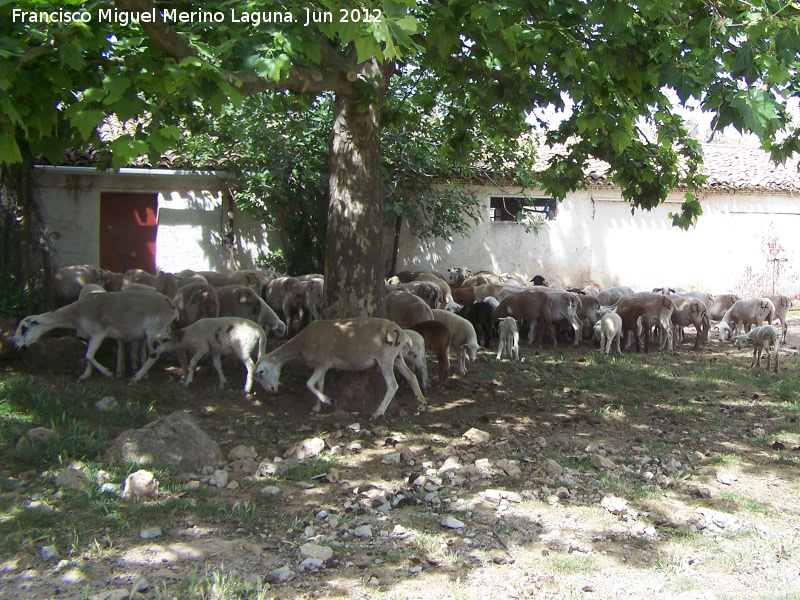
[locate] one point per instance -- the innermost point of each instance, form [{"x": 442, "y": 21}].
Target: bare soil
[{"x": 707, "y": 472}]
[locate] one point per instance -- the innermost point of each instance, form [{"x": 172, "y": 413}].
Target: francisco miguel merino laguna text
[{"x": 255, "y": 18}]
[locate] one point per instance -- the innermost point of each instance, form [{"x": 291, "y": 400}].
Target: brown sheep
[{"x": 437, "y": 339}]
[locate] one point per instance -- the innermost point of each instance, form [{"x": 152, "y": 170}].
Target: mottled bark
[{"x": 354, "y": 285}]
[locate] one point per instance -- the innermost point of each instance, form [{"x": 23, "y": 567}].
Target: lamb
[
  {"x": 782, "y": 305},
  {"x": 217, "y": 336},
  {"x": 463, "y": 337},
  {"x": 406, "y": 309},
  {"x": 415, "y": 355},
  {"x": 763, "y": 338},
  {"x": 437, "y": 338},
  {"x": 242, "y": 301},
  {"x": 752, "y": 311},
  {"x": 608, "y": 330},
  {"x": 350, "y": 345},
  {"x": 588, "y": 312},
  {"x": 635, "y": 318},
  {"x": 509, "y": 339},
  {"x": 121, "y": 316},
  {"x": 456, "y": 276},
  {"x": 464, "y": 295}
]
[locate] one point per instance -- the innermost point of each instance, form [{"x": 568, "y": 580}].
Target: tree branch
[{"x": 300, "y": 79}]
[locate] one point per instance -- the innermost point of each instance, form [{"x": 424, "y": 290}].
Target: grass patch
[
  {"x": 572, "y": 564},
  {"x": 310, "y": 469}
]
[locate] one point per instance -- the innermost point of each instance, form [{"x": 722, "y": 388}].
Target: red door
[{"x": 128, "y": 231}]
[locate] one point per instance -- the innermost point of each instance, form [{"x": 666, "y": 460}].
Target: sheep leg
[
  {"x": 391, "y": 386},
  {"x": 462, "y": 361},
  {"x": 145, "y": 368},
  {"x": 402, "y": 367},
  {"x": 217, "y": 362},
  {"x": 618, "y": 339},
  {"x": 94, "y": 344},
  {"x": 251, "y": 369},
  {"x": 193, "y": 365},
  {"x": 120, "y": 371},
  {"x": 577, "y": 326},
  {"x": 500, "y": 347},
  {"x": 315, "y": 385}
]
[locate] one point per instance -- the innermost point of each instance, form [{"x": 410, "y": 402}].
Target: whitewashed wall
[
  {"x": 192, "y": 214},
  {"x": 595, "y": 239}
]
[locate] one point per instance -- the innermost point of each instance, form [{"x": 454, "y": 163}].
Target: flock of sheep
[{"x": 232, "y": 313}]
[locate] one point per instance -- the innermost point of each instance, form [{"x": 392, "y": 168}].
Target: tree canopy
[{"x": 480, "y": 67}]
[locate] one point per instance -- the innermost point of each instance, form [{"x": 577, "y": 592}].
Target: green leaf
[
  {"x": 85, "y": 121},
  {"x": 9, "y": 150}
]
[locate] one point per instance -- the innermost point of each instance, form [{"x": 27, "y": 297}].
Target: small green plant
[{"x": 313, "y": 468}]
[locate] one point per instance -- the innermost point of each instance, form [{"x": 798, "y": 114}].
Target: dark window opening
[{"x": 506, "y": 208}]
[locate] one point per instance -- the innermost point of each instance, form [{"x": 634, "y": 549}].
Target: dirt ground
[{"x": 576, "y": 493}]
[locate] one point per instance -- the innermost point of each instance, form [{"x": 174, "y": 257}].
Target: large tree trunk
[{"x": 354, "y": 284}]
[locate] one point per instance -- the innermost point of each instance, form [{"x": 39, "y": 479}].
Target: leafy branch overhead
[{"x": 481, "y": 66}]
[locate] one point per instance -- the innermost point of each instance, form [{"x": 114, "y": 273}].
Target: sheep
[
  {"x": 447, "y": 301},
  {"x": 242, "y": 301},
  {"x": 437, "y": 338},
  {"x": 752, "y": 311},
  {"x": 313, "y": 295},
  {"x": 427, "y": 290},
  {"x": 350, "y": 345},
  {"x": 660, "y": 309},
  {"x": 721, "y": 304},
  {"x": 588, "y": 312},
  {"x": 509, "y": 339},
  {"x": 406, "y": 309},
  {"x": 613, "y": 294},
  {"x": 68, "y": 281},
  {"x": 531, "y": 306},
  {"x": 121, "y": 316},
  {"x": 763, "y": 338},
  {"x": 635, "y": 318},
  {"x": 91, "y": 288},
  {"x": 196, "y": 301},
  {"x": 285, "y": 296},
  {"x": 250, "y": 278},
  {"x": 691, "y": 311},
  {"x": 415, "y": 355},
  {"x": 608, "y": 330},
  {"x": 565, "y": 308},
  {"x": 496, "y": 290},
  {"x": 463, "y": 337},
  {"x": 138, "y": 287},
  {"x": 217, "y": 336},
  {"x": 464, "y": 295},
  {"x": 456, "y": 276},
  {"x": 782, "y": 305},
  {"x": 480, "y": 315}
]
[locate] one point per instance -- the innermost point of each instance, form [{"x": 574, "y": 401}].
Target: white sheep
[
  {"x": 509, "y": 339},
  {"x": 416, "y": 357},
  {"x": 609, "y": 329},
  {"x": 764, "y": 339},
  {"x": 782, "y": 306},
  {"x": 463, "y": 337},
  {"x": 123, "y": 316},
  {"x": 215, "y": 336},
  {"x": 752, "y": 311},
  {"x": 347, "y": 344}
]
